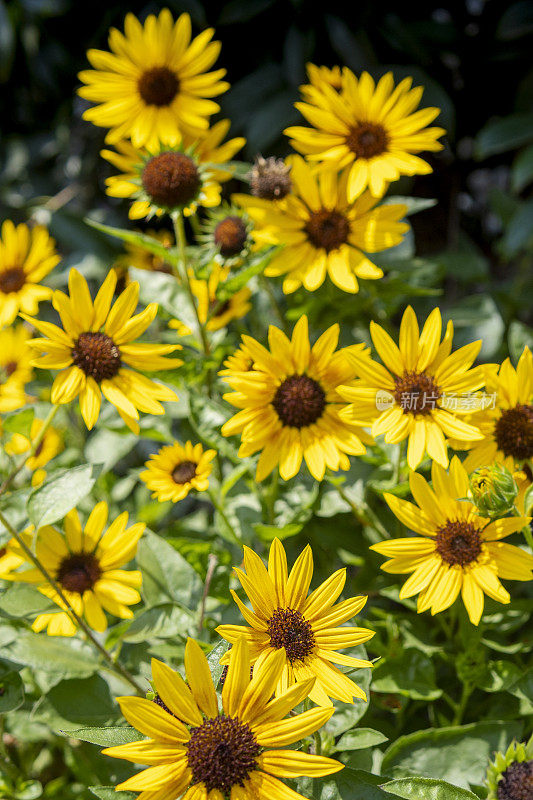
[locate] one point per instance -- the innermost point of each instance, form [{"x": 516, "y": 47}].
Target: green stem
[
  {"x": 8, "y": 765},
  {"x": 80, "y": 622},
  {"x": 364, "y": 514},
  {"x": 33, "y": 449},
  {"x": 271, "y": 496},
  {"x": 183, "y": 276},
  {"x": 461, "y": 706},
  {"x": 220, "y": 508}
]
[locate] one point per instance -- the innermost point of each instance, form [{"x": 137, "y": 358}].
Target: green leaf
[
  {"x": 427, "y": 789},
  {"x": 455, "y": 754},
  {"x": 7, "y": 42},
  {"x": 213, "y": 660},
  {"x": 109, "y": 793},
  {"x": 166, "y": 574},
  {"x": 50, "y": 654},
  {"x": 19, "y": 421},
  {"x": 414, "y": 204},
  {"x": 167, "y": 292},
  {"x": 136, "y": 238},
  {"x": 62, "y": 492},
  {"x": 477, "y": 317},
  {"x": 519, "y": 233},
  {"x": 410, "y": 674},
  {"x": 163, "y": 621},
  {"x": 519, "y": 336},
  {"x": 105, "y": 737},
  {"x": 22, "y": 600},
  {"x": 83, "y": 700},
  {"x": 270, "y": 532},
  {"x": 522, "y": 170},
  {"x": 11, "y": 689},
  {"x": 360, "y": 739},
  {"x": 353, "y": 784},
  {"x": 501, "y": 135}
]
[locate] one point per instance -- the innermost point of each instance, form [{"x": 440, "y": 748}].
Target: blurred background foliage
[{"x": 473, "y": 246}]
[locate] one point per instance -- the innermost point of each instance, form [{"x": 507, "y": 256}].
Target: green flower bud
[
  {"x": 510, "y": 775},
  {"x": 494, "y": 490}
]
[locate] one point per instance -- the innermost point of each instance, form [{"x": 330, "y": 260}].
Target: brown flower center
[
  {"x": 230, "y": 236},
  {"x": 171, "y": 179},
  {"x": 416, "y": 393},
  {"x": 97, "y": 355},
  {"x": 516, "y": 782},
  {"x": 158, "y": 86},
  {"x": 222, "y": 753},
  {"x": 289, "y": 629},
  {"x": 184, "y": 472},
  {"x": 79, "y": 572},
  {"x": 270, "y": 178},
  {"x": 299, "y": 401},
  {"x": 367, "y": 140},
  {"x": 458, "y": 542},
  {"x": 514, "y": 432},
  {"x": 12, "y": 280},
  {"x": 327, "y": 229}
]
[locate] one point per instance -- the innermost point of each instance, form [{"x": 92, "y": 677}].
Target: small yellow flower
[
  {"x": 197, "y": 753},
  {"x": 87, "y": 564},
  {"x": 27, "y": 255},
  {"x": 419, "y": 391},
  {"x": 458, "y": 550},
  {"x": 153, "y": 86},
  {"x": 289, "y": 404},
  {"x": 177, "y": 469},
  {"x": 304, "y": 628},
  {"x": 318, "y": 76},
  {"x": 321, "y": 233},
  {"x": 373, "y": 129},
  {"x": 241, "y": 361},
  {"x": 15, "y": 367},
  {"x": 50, "y": 446},
  {"x": 162, "y": 180},
  {"x": 95, "y": 361}
]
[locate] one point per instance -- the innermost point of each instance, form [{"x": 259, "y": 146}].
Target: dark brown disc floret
[
  {"x": 299, "y": 401},
  {"x": 367, "y": 140},
  {"x": 416, "y": 393},
  {"x": 516, "y": 782},
  {"x": 222, "y": 753},
  {"x": 158, "y": 86},
  {"x": 79, "y": 572},
  {"x": 514, "y": 432},
  {"x": 327, "y": 229},
  {"x": 184, "y": 472},
  {"x": 287, "y": 628},
  {"x": 230, "y": 235},
  {"x": 97, "y": 355},
  {"x": 12, "y": 280},
  {"x": 171, "y": 179},
  {"x": 270, "y": 178},
  {"x": 458, "y": 542}
]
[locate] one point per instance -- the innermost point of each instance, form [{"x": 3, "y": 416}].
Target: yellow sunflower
[
  {"x": 50, "y": 446},
  {"x": 304, "y": 628},
  {"x": 372, "y": 129},
  {"x": 318, "y": 76},
  {"x": 460, "y": 551},
  {"x": 507, "y": 428},
  {"x": 197, "y": 753},
  {"x": 177, "y": 469},
  {"x": 162, "y": 180},
  {"x": 27, "y": 255},
  {"x": 289, "y": 404},
  {"x": 10, "y": 554},
  {"x": 87, "y": 565},
  {"x": 153, "y": 85},
  {"x": 15, "y": 367},
  {"x": 321, "y": 232},
  {"x": 419, "y": 392},
  {"x": 94, "y": 361}
]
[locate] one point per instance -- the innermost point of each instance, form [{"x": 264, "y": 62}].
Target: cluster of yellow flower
[{"x": 321, "y": 212}]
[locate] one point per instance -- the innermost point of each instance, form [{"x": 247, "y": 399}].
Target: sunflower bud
[
  {"x": 270, "y": 178},
  {"x": 510, "y": 775},
  {"x": 494, "y": 490}
]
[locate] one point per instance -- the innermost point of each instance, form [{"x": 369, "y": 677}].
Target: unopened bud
[
  {"x": 494, "y": 490},
  {"x": 270, "y": 178}
]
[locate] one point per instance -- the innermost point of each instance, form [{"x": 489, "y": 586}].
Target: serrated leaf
[
  {"x": 64, "y": 658},
  {"x": 105, "y": 737},
  {"x": 61, "y": 493},
  {"x": 109, "y": 793}
]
